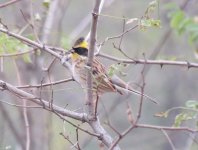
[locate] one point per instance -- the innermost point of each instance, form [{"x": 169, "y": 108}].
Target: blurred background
[{"x": 59, "y": 23}]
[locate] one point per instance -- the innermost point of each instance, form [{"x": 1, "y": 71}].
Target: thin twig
[
  {"x": 46, "y": 84},
  {"x": 167, "y": 128},
  {"x": 77, "y": 139},
  {"x": 67, "y": 138},
  {"x": 96, "y": 104},
  {"x": 30, "y": 22},
  {"x": 17, "y": 54},
  {"x": 76, "y": 126},
  {"x": 130, "y": 114},
  {"x": 15, "y": 105},
  {"x": 121, "y": 137},
  {"x": 120, "y": 35},
  {"x": 110, "y": 125},
  {"x": 161, "y": 63},
  {"x": 169, "y": 140},
  {"x": 8, "y": 3},
  {"x": 123, "y": 30},
  {"x": 25, "y": 114},
  {"x": 142, "y": 92},
  {"x": 119, "y": 48}
]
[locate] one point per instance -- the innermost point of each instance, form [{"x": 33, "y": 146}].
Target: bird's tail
[{"x": 123, "y": 88}]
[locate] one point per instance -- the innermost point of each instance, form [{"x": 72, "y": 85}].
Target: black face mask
[{"x": 81, "y": 51}]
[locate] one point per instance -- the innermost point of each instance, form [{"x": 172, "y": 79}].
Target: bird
[{"x": 76, "y": 61}]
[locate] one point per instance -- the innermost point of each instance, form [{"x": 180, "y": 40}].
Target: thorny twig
[
  {"x": 161, "y": 63},
  {"x": 133, "y": 123}
]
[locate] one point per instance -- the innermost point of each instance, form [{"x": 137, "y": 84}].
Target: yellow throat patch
[{"x": 75, "y": 56}]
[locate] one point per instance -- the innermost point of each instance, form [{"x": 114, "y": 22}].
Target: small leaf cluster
[
  {"x": 183, "y": 24},
  {"x": 189, "y": 112},
  {"x": 9, "y": 45}
]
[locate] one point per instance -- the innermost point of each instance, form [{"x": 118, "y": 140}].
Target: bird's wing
[{"x": 101, "y": 79}]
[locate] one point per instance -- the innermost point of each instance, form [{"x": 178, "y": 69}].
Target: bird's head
[{"x": 80, "y": 48}]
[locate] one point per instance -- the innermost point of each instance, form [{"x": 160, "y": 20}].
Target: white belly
[{"x": 75, "y": 74}]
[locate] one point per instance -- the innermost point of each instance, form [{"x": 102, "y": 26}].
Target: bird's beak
[
  {"x": 68, "y": 54},
  {"x": 69, "y": 51},
  {"x": 67, "y": 57}
]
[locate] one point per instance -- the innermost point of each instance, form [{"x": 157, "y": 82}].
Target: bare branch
[
  {"x": 161, "y": 63},
  {"x": 142, "y": 92},
  {"x": 121, "y": 136},
  {"x": 17, "y": 54},
  {"x": 77, "y": 126},
  {"x": 8, "y": 3},
  {"x": 77, "y": 139},
  {"x": 96, "y": 11},
  {"x": 120, "y": 35},
  {"x": 167, "y": 128},
  {"x": 67, "y": 138},
  {"x": 46, "y": 84},
  {"x": 89, "y": 97},
  {"x": 96, "y": 126},
  {"x": 105, "y": 137},
  {"x": 94, "y": 121},
  {"x": 137, "y": 61},
  {"x": 169, "y": 140},
  {"x": 23, "y": 94},
  {"x": 15, "y": 105},
  {"x": 30, "y": 42}
]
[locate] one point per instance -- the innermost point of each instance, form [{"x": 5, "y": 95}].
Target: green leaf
[
  {"x": 46, "y": 3},
  {"x": 10, "y": 45},
  {"x": 193, "y": 38},
  {"x": 155, "y": 23},
  {"x": 112, "y": 69},
  {"x": 183, "y": 25},
  {"x": 177, "y": 18},
  {"x": 151, "y": 8},
  {"x": 180, "y": 118},
  {"x": 192, "y": 104},
  {"x": 184, "y": 117},
  {"x": 26, "y": 58},
  {"x": 145, "y": 23}
]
